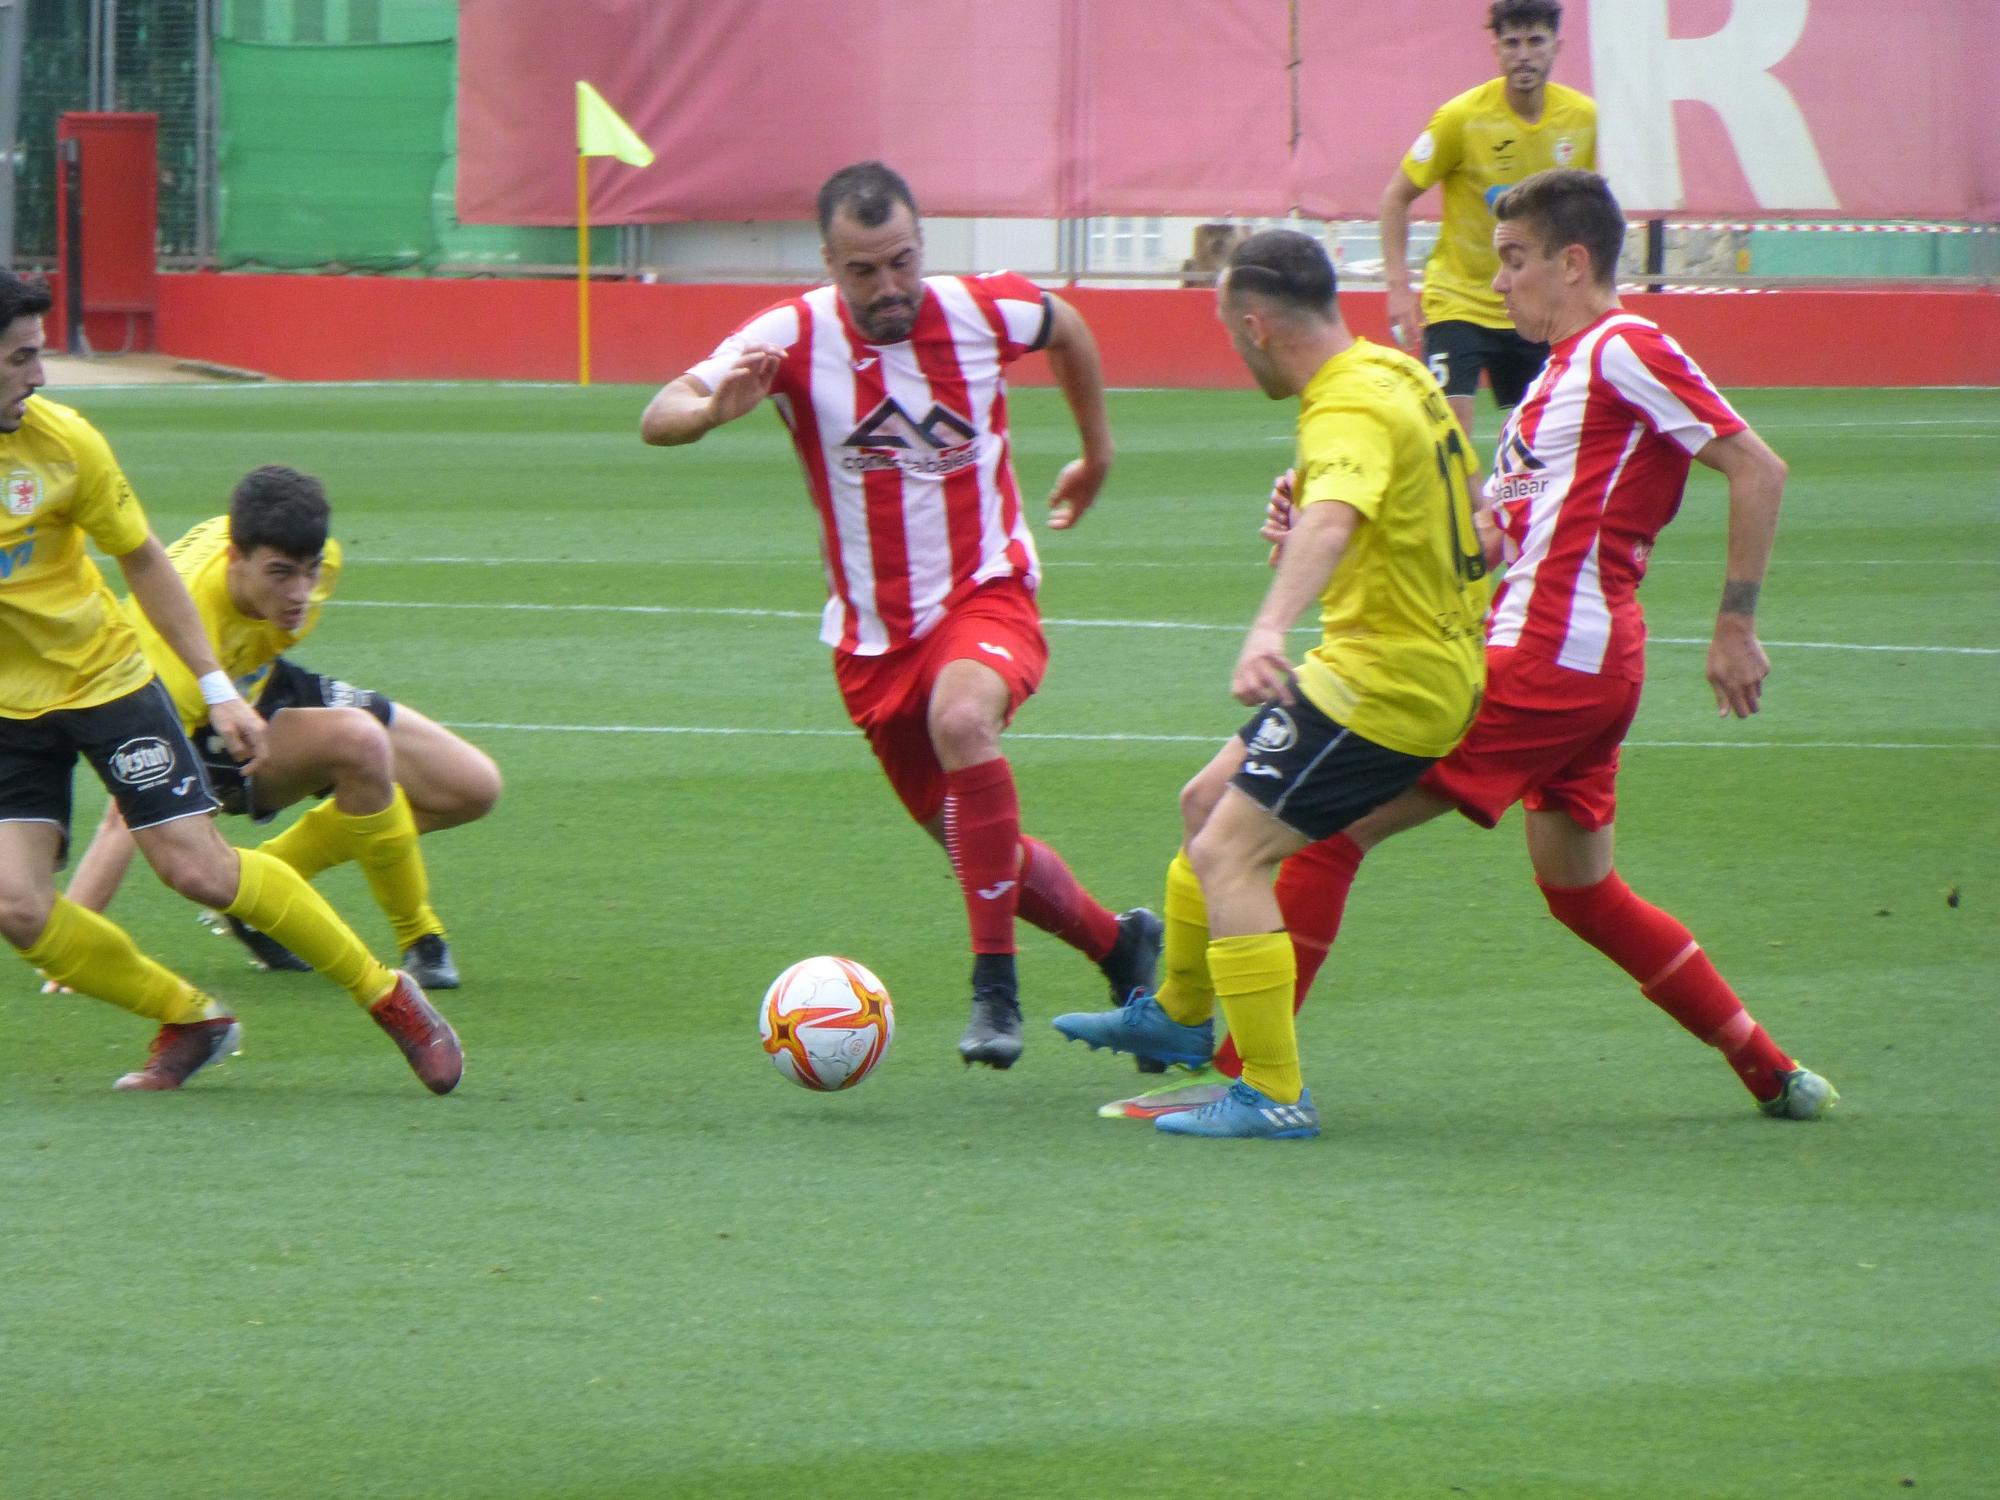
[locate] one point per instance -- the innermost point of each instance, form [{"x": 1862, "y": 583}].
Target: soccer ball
[{"x": 826, "y": 1023}]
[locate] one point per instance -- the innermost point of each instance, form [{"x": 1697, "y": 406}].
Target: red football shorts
[
  {"x": 889, "y": 696},
  {"x": 1545, "y": 736}
]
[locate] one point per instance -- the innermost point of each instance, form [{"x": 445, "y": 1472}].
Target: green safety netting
[{"x": 329, "y": 153}]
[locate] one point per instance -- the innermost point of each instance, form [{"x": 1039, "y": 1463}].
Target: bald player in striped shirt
[{"x": 891, "y": 384}]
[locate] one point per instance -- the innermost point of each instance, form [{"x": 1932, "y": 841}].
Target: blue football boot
[
  {"x": 1245, "y": 1114},
  {"x": 1143, "y": 1028}
]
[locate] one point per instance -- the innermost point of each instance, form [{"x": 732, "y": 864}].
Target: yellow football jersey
[
  {"x": 244, "y": 647},
  {"x": 1402, "y": 658},
  {"x": 63, "y": 643},
  {"x": 1478, "y": 148}
]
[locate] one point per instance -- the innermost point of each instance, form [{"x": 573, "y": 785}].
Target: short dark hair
[
  {"x": 1288, "y": 267},
  {"x": 23, "y": 297},
  {"x": 1509, "y": 14},
  {"x": 1568, "y": 207},
  {"x": 869, "y": 192},
  {"x": 279, "y": 508}
]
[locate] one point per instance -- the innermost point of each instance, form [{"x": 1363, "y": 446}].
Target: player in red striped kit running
[
  {"x": 891, "y": 385},
  {"x": 1591, "y": 465}
]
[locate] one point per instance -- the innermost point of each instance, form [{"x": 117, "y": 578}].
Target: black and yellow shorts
[
  {"x": 1317, "y": 776},
  {"x": 289, "y": 686},
  {"x": 134, "y": 743}
]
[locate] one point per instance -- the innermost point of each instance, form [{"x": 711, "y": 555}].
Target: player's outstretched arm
[
  {"x": 1318, "y": 537},
  {"x": 1737, "y": 665},
  {"x": 163, "y": 597},
  {"x": 1406, "y": 312},
  {"x": 686, "y": 410},
  {"x": 1079, "y": 373}
]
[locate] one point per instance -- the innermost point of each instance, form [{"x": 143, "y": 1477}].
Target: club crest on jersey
[
  {"x": 890, "y": 438},
  {"x": 24, "y": 491},
  {"x": 1565, "y": 151},
  {"x": 143, "y": 762},
  {"x": 1275, "y": 733}
]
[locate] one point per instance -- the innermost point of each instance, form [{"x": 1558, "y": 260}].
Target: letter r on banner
[{"x": 1638, "y": 71}]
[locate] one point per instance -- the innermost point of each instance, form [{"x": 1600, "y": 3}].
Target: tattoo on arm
[{"x": 1739, "y": 597}]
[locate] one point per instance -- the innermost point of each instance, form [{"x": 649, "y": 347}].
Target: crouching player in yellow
[
  {"x": 74, "y": 681},
  {"x": 259, "y": 576},
  {"x": 1393, "y": 561}
]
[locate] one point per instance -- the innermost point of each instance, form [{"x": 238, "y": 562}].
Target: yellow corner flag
[{"x": 600, "y": 131}]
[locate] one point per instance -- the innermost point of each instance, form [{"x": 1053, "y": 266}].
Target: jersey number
[{"x": 1470, "y": 566}]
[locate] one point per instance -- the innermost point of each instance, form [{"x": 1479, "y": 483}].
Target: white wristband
[{"x": 217, "y": 688}]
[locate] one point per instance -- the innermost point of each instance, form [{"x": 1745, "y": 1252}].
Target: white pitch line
[
  {"x": 745, "y": 732},
  {"x": 1196, "y": 625},
  {"x": 1689, "y": 640}
]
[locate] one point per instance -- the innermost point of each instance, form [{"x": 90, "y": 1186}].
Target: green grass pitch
[{"x": 1545, "y": 1249}]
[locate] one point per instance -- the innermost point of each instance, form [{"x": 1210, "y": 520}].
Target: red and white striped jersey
[
  {"x": 904, "y": 448},
  {"x": 1591, "y": 465}
]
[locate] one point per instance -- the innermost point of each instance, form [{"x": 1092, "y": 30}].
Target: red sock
[
  {"x": 982, "y": 834},
  {"x": 1312, "y": 895},
  {"x": 1054, "y": 900},
  {"x": 1672, "y": 972}
]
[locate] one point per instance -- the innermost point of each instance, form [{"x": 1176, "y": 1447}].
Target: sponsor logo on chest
[
  {"x": 1520, "y": 475},
  {"x": 941, "y": 442}
]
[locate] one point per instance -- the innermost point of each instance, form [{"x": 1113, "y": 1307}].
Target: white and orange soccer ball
[{"x": 826, "y": 1023}]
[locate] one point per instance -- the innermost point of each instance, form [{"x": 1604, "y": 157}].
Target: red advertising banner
[{"x": 1070, "y": 108}]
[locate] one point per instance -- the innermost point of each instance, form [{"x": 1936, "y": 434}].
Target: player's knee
[
  {"x": 356, "y": 746},
  {"x": 464, "y": 792},
  {"x": 24, "y": 912},
  {"x": 1198, "y": 799},
  {"x": 1211, "y": 854},
  {"x": 479, "y": 787},
  {"x": 964, "y": 732},
  {"x": 206, "y": 874}
]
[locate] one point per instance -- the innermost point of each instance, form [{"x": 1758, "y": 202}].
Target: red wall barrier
[{"x": 411, "y": 328}]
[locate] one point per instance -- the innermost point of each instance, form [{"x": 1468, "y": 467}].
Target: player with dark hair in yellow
[
  {"x": 259, "y": 577},
  {"x": 1477, "y": 145},
  {"x": 1386, "y": 544},
  {"x": 73, "y": 681}
]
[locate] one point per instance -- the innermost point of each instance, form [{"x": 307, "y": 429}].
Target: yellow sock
[
  {"x": 1253, "y": 979},
  {"x": 95, "y": 956},
  {"x": 273, "y": 898},
  {"x": 383, "y": 843},
  {"x": 313, "y": 843},
  {"x": 385, "y": 846},
  {"x": 1186, "y": 992}
]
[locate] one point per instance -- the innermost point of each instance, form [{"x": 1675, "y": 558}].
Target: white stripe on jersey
[
  {"x": 1518, "y": 590},
  {"x": 1556, "y": 405},
  {"x": 942, "y": 446},
  {"x": 778, "y": 326},
  {"x": 979, "y": 365},
  {"x": 833, "y": 409},
  {"x": 926, "y": 528},
  {"x": 1638, "y": 385}
]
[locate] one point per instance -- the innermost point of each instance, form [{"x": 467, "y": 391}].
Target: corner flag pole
[
  {"x": 600, "y": 131},
  {"x": 582, "y": 269}
]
